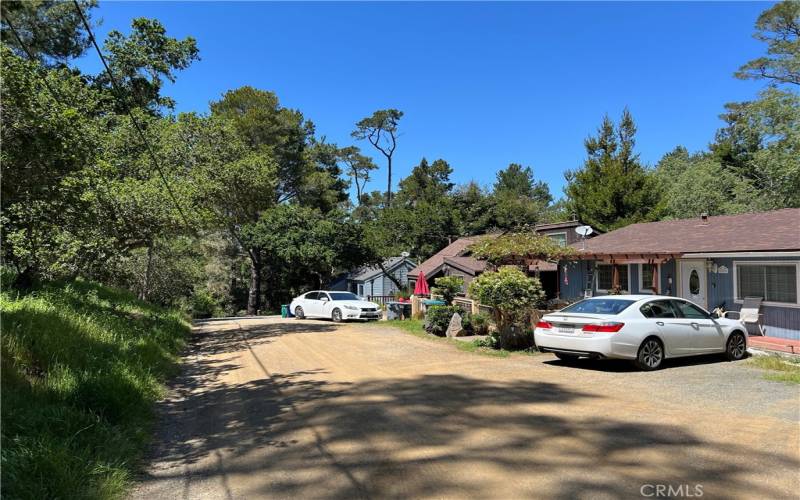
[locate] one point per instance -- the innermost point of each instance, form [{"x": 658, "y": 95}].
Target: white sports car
[
  {"x": 337, "y": 306},
  {"x": 643, "y": 328}
]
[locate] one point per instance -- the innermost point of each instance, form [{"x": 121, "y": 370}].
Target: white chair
[{"x": 750, "y": 314}]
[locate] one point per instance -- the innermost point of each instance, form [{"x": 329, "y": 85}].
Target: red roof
[{"x": 778, "y": 230}]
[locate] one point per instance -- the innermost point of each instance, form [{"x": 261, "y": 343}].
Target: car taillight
[
  {"x": 610, "y": 327},
  {"x": 543, "y": 324}
]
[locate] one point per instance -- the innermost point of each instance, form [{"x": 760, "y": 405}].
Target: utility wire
[{"x": 136, "y": 125}]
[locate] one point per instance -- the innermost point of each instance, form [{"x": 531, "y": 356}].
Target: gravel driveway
[{"x": 274, "y": 408}]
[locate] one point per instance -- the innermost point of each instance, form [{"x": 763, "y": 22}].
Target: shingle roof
[
  {"x": 778, "y": 230},
  {"x": 455, "y": 249},
  {"x": 470, "y": 264},
  {"x": 367, "y": 273}
]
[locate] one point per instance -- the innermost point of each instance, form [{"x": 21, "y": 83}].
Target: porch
[{"x": 775, "y": 344}]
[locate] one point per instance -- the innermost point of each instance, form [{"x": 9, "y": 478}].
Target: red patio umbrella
[{"x": 421, "y": 288}]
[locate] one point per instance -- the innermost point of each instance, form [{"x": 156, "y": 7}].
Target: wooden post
[{"x": 416, "y": 307}]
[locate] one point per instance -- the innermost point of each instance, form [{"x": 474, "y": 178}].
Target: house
[
  {"x": 714, "y": 261},
  {"x": 375, "y": 282},
  {"x": 455, "y": 258}
]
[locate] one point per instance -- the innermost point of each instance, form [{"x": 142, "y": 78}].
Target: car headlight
[{"x": 352, "y": 308}]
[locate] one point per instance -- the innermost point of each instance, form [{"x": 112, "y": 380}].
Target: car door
[
  {"x": 705, "y": 334},
  {"x": 325, "y": 305},
  {"x": 311, "y": 304},
  {"x": 673, "y": 333}
]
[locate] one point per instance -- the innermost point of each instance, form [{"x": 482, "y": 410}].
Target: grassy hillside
[{"x": 82, "y": 366}]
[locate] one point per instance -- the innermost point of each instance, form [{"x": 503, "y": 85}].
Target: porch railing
[{"x": 381, "y": 299}]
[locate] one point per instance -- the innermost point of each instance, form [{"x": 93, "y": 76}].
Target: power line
[{"x": 136, "y": 125}]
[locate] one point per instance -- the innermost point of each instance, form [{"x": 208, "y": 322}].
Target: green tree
[
  {"x": 612, "y": 189},
  {"x": 779, "y": 28},
  {"x": 474, "y": 209},
  {"x": 306, "y": 247},
  {"x": 47, "y": 141},
  {"x": 236, "y": 184},
  {"x": 519, "y": 199},
  {"x": 427, "y": 183},
  {"x": 141, "y": 60},
  {"x": 760, "y": 142},
  {"x": 380, "y": 130},
  {"x": 513, "y": 298},
  {"x": 51, "y": 31},
  {"x": 358, "y": 168},
  {"x": 702, "y": 184}
]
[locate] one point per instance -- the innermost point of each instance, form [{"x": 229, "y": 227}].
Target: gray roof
[{"x": 368, "y": 272}]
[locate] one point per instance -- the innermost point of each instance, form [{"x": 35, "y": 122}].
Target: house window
[
  {"x": 772, "y": 282},
  {"x": 605, "y": 277},
  {"x": 646, "y": 274},
  {"x": 360, "y": 290},
  {"x": 560, "y": 238},
  {"x": 694, "y": 283}
]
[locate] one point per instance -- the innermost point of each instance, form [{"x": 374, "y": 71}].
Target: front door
[{"x": 693, "y": 281}]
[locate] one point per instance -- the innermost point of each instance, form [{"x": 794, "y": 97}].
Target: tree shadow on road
[{"x": 302, "y": 435}]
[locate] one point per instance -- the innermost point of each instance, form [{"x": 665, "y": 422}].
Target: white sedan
[
  {"x": 643, "y": 328},
  {"x": 337, "y": 306}
]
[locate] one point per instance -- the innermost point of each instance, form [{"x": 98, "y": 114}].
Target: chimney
[{"x": 704, "y": 218}]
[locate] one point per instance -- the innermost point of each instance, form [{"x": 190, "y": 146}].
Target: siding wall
[
  {"x": 380, "y": 284},
  {"x": 779, "y": 321}
]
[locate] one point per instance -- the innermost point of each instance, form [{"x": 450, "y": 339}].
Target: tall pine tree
[{"x": 612, "y": 189}]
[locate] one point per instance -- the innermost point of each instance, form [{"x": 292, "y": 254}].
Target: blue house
[
  {"x": 375, "y": 282},
  {"x": 713, "y": 261}
]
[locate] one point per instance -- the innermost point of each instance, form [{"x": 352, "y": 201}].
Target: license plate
[{"x": 566, "y": 330}]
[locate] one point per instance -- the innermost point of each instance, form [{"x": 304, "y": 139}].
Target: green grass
[
  {"x": 779, "y": 368},
  {"x": 82, "y": 366},
  {"x": 415, "y": 327}
]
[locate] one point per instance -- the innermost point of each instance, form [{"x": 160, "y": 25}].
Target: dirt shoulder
[{"x": 288, "y": 408}]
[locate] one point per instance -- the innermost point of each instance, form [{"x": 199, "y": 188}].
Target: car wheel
[
  {"x": 298, "y": 312},
  {"x": 566, "y": 357},
  {"x": 336, "y": 316},
  {"x": 736, "y": 347},
  {"x": 651, "y": 355}
]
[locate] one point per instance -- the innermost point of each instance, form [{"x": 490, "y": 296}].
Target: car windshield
[
  {"x": 599, "y": 306},
  {"x": 343, "y": 296}
]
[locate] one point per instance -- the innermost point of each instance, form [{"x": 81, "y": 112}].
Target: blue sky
[{"x": 481, "y": 84}]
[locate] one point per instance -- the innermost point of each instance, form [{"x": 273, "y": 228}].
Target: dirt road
[{"x": 306, "y": 409}]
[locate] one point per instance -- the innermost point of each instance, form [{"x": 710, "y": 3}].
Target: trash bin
[
  {"x": 398, "y": 310},
  {"x": 285, "y": 311}
]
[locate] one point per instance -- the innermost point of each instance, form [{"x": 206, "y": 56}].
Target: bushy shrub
[
  {"x": 490, "y": 342},
  {"x": 480, "y": 323},
  {"x": 204, "y": 305},
  {"x": 437, "y": 319},
  {"x": 513, "y": 297},
  {"x": 448, "y": 287}
]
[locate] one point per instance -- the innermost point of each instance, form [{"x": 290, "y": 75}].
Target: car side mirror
[
  {"x": 714, "y": 315},
  {"x": 324, "y": 299}
]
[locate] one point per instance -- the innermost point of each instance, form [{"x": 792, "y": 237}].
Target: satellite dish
[
  {"x": 584, "y": 230},
  {"x": 404, "y": 254}
]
